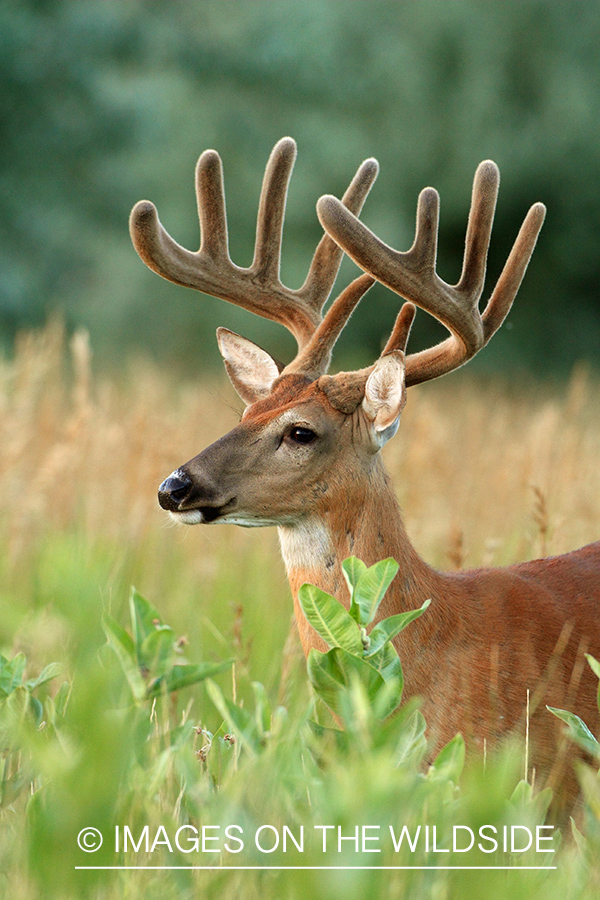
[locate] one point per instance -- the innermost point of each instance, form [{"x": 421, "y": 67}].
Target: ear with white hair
[
  {"x": 385, "y": 396},
  {"x": 251, "y": 369}
]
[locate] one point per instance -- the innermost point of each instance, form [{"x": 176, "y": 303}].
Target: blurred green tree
[{"x": 104, "y": 103}]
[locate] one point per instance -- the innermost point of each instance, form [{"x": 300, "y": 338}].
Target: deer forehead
[{"x": 293, "y": 400}]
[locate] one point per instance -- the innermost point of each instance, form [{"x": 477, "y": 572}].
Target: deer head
[{"x": 306, "y": 436}]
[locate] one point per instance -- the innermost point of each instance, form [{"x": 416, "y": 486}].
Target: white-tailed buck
[{"x": 305, "y": 456}]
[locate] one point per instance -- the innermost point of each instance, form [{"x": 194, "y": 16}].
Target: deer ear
[
  {"x": 251, "y": 369},
  {"x": 385, "y": 395}
]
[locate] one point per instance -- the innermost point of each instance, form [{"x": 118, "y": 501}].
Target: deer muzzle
[{"x": 194, "y": 502}]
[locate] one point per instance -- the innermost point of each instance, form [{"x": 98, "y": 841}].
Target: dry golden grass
[{"x": 483, "y": 476}]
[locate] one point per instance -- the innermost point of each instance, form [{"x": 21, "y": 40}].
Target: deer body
[
  {"x": 489, "y": 637},
  {"x": 305, "y": 456}
]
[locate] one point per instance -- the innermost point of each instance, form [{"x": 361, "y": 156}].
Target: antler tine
[
  {"x": 257, "y": 288},
  {"x": 210, "y": 269},
  {"x": 412, "y": 274},
  {"x": 212, "y": 214},
  {"x": 479, "y": 230},
  {"x": 514, "y": 269},
  {"x": 313, "y": 360},
  {"x": 328, "y": 255},
  {"x": 271, "y": 211},
  {"x": 398, "y": 339}
]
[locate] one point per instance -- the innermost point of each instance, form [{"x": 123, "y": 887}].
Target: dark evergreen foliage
[{"x": 102, "y": 104}]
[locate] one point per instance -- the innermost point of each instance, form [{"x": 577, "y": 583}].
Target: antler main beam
[
  {"x": 257, "y": 288},
  {"x": 413, "y": 276}
]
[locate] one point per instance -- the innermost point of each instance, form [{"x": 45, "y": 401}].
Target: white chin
[
  {"x": 195, "y": 517},
  {"x": 191, "y": 517}
]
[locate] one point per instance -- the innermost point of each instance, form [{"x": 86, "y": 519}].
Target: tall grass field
[{"x": 152, "y": 686}]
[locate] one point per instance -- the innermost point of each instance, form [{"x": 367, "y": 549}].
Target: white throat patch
[{"x": 306, "y": 545}]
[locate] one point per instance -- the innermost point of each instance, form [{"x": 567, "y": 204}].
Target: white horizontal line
[{"x": 318, "y": 868}]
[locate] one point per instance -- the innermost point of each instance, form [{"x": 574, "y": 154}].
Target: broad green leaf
[
  {"x": 145, "y": 618},
  {"x": 183, "y": 676},
  {"x": 47, "y": 674},
  {"x": 524, "y": 798},
  {"x": 389, "y": 697},
  {"x": 595, "y": 667},
  {"x": 20, "y": 709},
  {"x": 122, "y": 644},
  {"x": 387, "y": 629},
  {"x": 239, "y": 720},
  {"x": 412, "y": 742},
  {"x": 329, "y": 619},
  {"x": 578, "y": 731},
  {"x": 370, "y": 589},
  {"x": 387, "y": 663},
  {"x": 157, "y": 652},
  {"x": 353, "y": 568},
  {"x": 522, "y": 794},
  {"x": 594, "y": 664},
  {"x": 333, "y": 672},
  {"x": 590, "y": 786},
  {"x": 17, "y": 705},
  {"x": 340, "y": 738},
  {"x": 450, "y": 760},
  {"x": 11, "y": 673}
]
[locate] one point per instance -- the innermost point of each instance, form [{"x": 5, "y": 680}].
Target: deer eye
[{"x": 301, "y": 435}]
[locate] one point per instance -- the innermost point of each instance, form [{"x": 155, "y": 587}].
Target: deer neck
[{"x": 361, "y": 518}]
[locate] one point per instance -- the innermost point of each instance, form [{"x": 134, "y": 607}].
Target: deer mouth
[
  {"x": 199, "y": 515},
  {"x": 204, "y": 515}
]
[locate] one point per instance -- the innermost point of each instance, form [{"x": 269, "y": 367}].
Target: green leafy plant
[
  {"x": 580, "y": 734},
  {"x": 22, "y": 713},
  {"x": 356, "y": 654},
  {"x": 577, "y": 730},
  {"x": 151, "y": 657},
  {"x": 252, "y": 728}
]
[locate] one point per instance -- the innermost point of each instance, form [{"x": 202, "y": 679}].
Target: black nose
[{"x": 174, "y": 490}]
